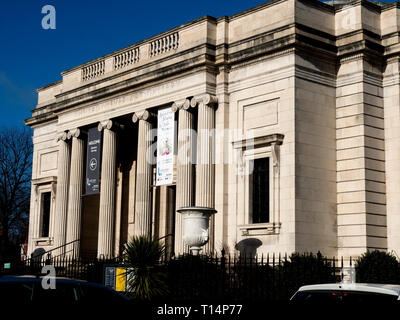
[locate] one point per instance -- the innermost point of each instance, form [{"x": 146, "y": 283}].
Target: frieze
[{"x": 132, "y": 98}]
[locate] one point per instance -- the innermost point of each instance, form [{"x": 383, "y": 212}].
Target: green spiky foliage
[{"x": 146, "y": 277}]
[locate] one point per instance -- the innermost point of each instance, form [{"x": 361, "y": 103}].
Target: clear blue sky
[{"x": 31, "y": 57}]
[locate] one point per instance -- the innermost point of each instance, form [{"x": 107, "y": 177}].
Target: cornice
[
  {"x": 44, "y": 181},
  {"x": 53, "y": 84},
  {"x": 363, "y": 46},
  {"x": 389, "y": 6},
  {"x": 134, "y": 68},
  {"x": 257, "y": 142},
  {"x": 319, "y": 5},
  {"x": 365, "y": 32},
  {"x": 122, "y": 86},
  {"x": 366, "y": 4}
]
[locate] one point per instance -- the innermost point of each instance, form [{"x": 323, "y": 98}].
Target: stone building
[{"x": 301, "y": 99}]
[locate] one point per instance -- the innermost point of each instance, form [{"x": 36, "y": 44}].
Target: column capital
[
  {"x": 62, "y": 136},
  {"x": 206, "y": 99},
  {"x": 144, "y": 115},
  {"x": 181, "y": 104},
  {"x": 76, "y": 133},
  {"x": 109, "y": 124},
  {"x": 106, "y": 124}
]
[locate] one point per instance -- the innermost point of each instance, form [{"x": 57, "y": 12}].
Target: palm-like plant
[{"x": 146, "y": 278}]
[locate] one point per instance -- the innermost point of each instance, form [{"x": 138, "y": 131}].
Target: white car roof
[{"x": 391, "y": 289}]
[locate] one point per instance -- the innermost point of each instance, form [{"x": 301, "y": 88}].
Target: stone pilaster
[
  {"x": 184, "y": 184},
  {"x": 360, "y": 157},
  {"x": 205, "y": 170},
  {"x": 75, "y": 193},
  {"x": 391, "y": 115},
  {"x": 60, "y": 215},
  {"x": 143, "y": 175},
  {"x": 105, "y": 245}
]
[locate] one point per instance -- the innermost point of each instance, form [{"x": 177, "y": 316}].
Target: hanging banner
[
  {"x": 93, "y": 161},
  {"x": 165, "y": 146}
]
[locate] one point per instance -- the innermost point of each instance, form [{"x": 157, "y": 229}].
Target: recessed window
[
  {"x": 45, "y": 208},
  {"x": 259, "y": 191}
]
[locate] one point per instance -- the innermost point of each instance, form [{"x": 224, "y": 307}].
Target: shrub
[
  {"x": 304, "y": 269},
  {"x": 146, "y": 278},
  {"x": 377, "y": 267}
]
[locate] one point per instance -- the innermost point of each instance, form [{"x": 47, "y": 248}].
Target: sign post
[{"x": 118, "y": 277}]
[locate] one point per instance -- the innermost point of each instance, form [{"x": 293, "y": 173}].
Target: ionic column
[
  {"x": 184, "y": 183},
  {"x": 60, "y": 215},
  {"x": 75, "y": 193},
  {"x": 105, "y": 246},
  {"x": 144, "y": 175},
  {"x": 205, "y": 170}
]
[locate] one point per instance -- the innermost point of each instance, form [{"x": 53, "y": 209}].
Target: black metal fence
[
  {"x": 89, "y": 269},
  {"x": 238, "y": 278},
  {"x": 272, "y": 277}
]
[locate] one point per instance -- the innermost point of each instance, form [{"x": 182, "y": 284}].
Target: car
[
  {"x": 347, "y": 293},
  {"x": 29, "y": 289}
]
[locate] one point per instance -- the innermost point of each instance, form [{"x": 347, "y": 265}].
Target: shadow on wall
[{"x": 248, "y": 247}]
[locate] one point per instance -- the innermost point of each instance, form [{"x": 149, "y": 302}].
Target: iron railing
[{"x": 212, "y": 277}]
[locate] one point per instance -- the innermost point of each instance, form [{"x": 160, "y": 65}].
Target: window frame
[
  {"x": 41, "y": 186},
  {"x": 249, "y": 185},
  {"x": 247, "y": 150},
  {"x": 41, "y": 215}
]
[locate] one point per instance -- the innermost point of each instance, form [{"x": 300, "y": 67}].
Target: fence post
[
  {"x": 273, "y": 275},
  {"x": 223, "y": 270}
]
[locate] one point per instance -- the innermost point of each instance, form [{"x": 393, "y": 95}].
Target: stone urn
[{"x": 196, "y": 222}]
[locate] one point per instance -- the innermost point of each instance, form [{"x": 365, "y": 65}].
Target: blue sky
[{"x": 31, "y": 57}]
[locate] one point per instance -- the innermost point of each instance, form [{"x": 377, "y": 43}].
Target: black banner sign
[{"x": 93, "y": 161}]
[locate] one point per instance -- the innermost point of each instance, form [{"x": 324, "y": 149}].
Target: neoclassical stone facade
[{"x": 288, "y": 125}]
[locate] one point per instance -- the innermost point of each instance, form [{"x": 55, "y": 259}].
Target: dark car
[{"x": 30, "y": 289}]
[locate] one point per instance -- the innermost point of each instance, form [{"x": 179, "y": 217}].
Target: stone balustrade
[
  {"x": 164, "y": 44},
  {"x": 131, "y": 56},
  {"x": 126, "y": 58},
  {"x": 93, "y": 71}
]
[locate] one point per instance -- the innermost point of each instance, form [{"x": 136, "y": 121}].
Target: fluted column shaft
[
  {"x": 143, "y": 176},
  {"x": 205, "y": 170},
  {"x": 75, "y": 194},
  {"x": 184, "y": 184},
  {"x": 60, "y": 218},
  {"x": 205, "y": 179},
  {"x": 107, "y": 192}
]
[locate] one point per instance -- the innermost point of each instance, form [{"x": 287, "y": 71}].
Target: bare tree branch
[{"x": 15, "y": 176}]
